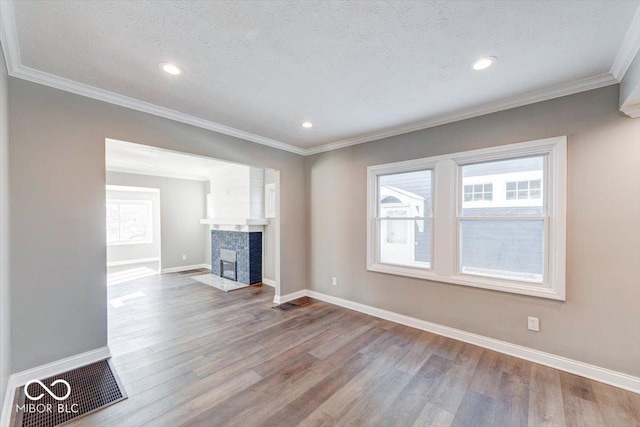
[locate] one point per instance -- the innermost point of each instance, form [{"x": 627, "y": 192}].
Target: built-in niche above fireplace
[{"x": 247, "y": 247}]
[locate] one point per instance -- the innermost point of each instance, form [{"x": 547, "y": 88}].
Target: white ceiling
[
  {"x": 357, "y": 70},
  {"x": 127, "y": 157}
]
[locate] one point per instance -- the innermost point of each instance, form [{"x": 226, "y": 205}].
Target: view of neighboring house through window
[
  {"x": 476, "y": 192},
  {"x": 404, "y": 217},
  {"x": 504, "y": 238},
  {"x": 524, "y": 189},
  {"x": 129, "y": 222},
  {"x": 492, "y": 218}
]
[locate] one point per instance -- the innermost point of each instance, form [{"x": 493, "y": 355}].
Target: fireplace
[
  {"x": 228, "y": 264},
  {"x": 237, "y": 253}
]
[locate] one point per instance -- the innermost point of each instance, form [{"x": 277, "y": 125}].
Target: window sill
[{"x": 520, "y": 288}]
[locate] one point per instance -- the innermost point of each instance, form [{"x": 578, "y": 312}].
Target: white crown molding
[
  {"x": 62, "y": 83},
  {"x": 8, "y": 37},
  {"x": 45, "y": 371},
  {"x": 628, "y": 50},
  {"x": 576, "y": 367},
  {"x": 558, "y": 91}
]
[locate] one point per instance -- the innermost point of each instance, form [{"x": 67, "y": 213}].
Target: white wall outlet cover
[
  {"x": 184, "y": 257},
  {"x": 334, "y": 281},
  {"x": 533, "y": 324}
]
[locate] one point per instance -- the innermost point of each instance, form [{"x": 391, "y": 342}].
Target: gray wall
[
  {"x": 57, "y": 182},
  {"x": 598, "y": 323},
  {"x": 269, "y": 247},
  {"x": 182, "y": 206},
  {"x": 5, "y": 318}
]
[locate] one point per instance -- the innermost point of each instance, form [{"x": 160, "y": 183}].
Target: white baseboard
[
  {"x": 132, "y": 261},
  {"x": 281, "y": 299},
  {"x": 50, "y": 369},
  {"x": 269, "y": 282},
  {"x": 582, "y": 369},
  {"x": 184, "y": 268}
]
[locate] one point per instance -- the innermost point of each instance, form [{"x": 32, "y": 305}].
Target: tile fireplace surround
[{"x": 248, "y": 247}]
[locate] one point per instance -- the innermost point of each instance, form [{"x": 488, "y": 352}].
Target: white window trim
[
  {"x": 446, "y": 187},
  {"x": 149, "y": 204}
]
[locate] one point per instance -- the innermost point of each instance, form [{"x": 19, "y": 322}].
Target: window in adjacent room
[{"x": 129, "y": 222}]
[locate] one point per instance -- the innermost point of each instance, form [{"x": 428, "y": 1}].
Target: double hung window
[{"x": 491, "y": 218}]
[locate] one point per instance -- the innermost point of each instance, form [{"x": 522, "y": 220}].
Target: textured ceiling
[
  {"x": 351, "y": 68},
  {"x": 127, "y": 157}
]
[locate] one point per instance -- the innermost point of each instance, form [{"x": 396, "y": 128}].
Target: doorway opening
[{"x": 177, "y": 220}]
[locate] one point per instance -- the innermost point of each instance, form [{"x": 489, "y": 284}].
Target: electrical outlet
[
  {"x": 533, "y": 324},
  {"x": 334, "y": 281},
  {"x": 184, "y": 257}
]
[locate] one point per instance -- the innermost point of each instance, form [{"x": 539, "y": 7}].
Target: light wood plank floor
[{"x": 189, "y": 354}]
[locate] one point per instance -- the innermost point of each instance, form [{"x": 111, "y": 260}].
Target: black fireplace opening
[{"x": 228, "y": 264}]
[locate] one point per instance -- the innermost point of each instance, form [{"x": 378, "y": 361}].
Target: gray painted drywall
[
  {"x": 182, "y": 206},
  {"x": 5, "y": 318},
  {"x": 132, "y": 252},
  {"x": 269, "y": 247},
  {"x": 598, "y": 324},
  {"x": 57, "y": 182}
]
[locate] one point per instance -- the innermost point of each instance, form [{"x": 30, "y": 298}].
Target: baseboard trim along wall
[
  {"x": 582, "y": 369},
  {"x": 281, "y": 299},
  {"x": 184, "y": 268},
  {"x": 269, "y": 282},
  {"x": 50, "y": 369},
  {"x": 132, "y": 261}
]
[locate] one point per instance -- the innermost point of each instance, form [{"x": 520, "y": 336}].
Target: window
[
  {"x": 129, "y": 222},
  {"x": 478, "y": 192},
  {"x": 505, "y": 239},
  {"x": 524, "y": 190},
  {"x": 491, "y": 218},
  {"x": 403, "y": 218}
]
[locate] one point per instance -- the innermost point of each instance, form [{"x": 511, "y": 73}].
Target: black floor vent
[{"x": 92, "y": 388}]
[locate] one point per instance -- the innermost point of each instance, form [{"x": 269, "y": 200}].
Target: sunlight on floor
[
  {"x": 119, "y": 302},
  {"x": 128, "y": 275}
]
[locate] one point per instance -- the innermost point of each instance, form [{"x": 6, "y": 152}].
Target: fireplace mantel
[
  {"x": 231, "y": 224},
  {"x": 234, "y": 221}
]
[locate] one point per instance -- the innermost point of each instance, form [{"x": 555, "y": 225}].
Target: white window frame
[
  {"x": 149, "y": 205},
  {"x": 447, "y": 194}
]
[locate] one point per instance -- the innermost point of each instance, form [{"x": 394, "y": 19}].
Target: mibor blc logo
[{"x": 47, "y": 407}]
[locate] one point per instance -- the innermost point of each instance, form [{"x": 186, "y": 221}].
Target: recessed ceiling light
[
  {"x": 171, "y": 68},
  {"x": 483, "y": 63},
  {"x": 152, "y": 166},
  {"x": 307, "y": 125}
]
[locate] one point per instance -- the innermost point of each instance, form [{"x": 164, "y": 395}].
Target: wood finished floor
[{"x": 192, "y": 355}]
